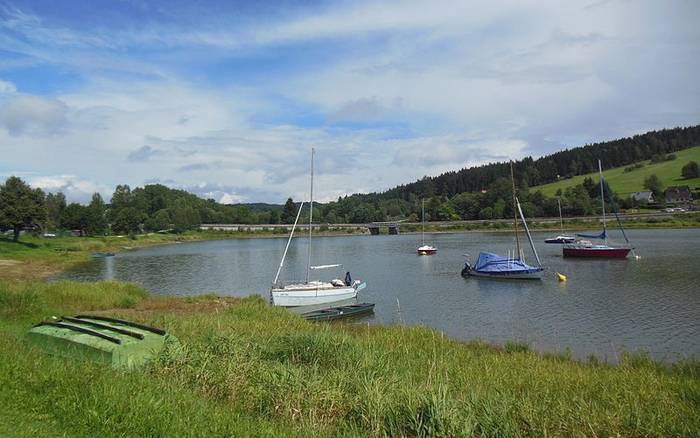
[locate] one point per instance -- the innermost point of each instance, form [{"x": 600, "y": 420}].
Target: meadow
[
  {"x": 252, "y": 370},
  {"x": 624, "y": 183}
]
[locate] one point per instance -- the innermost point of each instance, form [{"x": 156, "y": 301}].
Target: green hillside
[{"x": 625, "y": 183}]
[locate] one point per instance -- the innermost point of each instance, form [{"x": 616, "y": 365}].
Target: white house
[{"x": 643, "y": 197}]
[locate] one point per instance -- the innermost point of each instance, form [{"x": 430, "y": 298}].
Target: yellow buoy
[{"x": 561, "y": 277}]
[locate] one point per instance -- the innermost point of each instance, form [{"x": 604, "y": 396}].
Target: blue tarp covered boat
[
  {"x": 492, "y": 265},
  {"x": 496, "y": 266}
]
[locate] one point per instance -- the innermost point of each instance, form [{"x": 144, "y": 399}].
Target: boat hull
[
  {"x": 339, "y": 312},
  {"x": 313, "y": 296},
  {"x": 603, "y": 253},
  {"x": 426, "y": 251},
  {"x": 535, "y": 274}
]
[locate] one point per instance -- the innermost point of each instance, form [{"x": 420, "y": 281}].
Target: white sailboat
[
  {"x": 425, "y": 249},
  {"x": 312, "y": 292},
  {"x": 562, "y": 238}
]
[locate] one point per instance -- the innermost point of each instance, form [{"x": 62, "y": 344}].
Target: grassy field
[
  {"x": 624, "y": 183},
  {"x": 252, "y": 370}
]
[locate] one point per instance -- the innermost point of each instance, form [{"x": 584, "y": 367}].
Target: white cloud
[
  {"x": 75, "y": 188},
  {"x": 29, "y": 114},
  {"x": 7, "y": 87},
  {"x": 431, "y": 86},
  {"x": 229, "y": 198}
]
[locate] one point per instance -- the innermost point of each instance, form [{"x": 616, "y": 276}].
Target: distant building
[
  {"x": 643, "y": 197},
  {"x": 676, "y": 194}
]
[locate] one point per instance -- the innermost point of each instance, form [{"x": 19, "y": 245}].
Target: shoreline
[
  {"x": 66, "y": 252},
  {"x": 245, "y": 362},
  {"x": 249, "y": 368}
]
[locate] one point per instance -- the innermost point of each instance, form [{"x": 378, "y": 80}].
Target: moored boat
[
  {"x": 338, "y": 312},
  {"x": 490, "y": 265},
  {"x": 425, "y": 249},
  {"x": 562, "y": 238},
  {"x": 507, "y": 268},
  {"x": 586, "y": 249},
  {"x": 312, "y": 292}
]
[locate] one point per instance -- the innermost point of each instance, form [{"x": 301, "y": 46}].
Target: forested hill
[
  {"x": 566, "y": 163},
  {"x": 484, "y": 192}
]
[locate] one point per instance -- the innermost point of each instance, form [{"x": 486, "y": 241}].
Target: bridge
[{"x": 375, "y": 227}]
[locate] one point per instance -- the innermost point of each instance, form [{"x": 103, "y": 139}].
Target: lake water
[{"x": 606, "y": 306}]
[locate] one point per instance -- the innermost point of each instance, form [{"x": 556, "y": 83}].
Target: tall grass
[{"x": 248, "y": 369}]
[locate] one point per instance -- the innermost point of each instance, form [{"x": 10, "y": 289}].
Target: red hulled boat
[{"x": 585, "y": 248}]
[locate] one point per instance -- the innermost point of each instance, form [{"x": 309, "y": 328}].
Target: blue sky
[{"x": 225, "y": 99}]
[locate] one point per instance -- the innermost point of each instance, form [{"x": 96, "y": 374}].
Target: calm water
[{"x": 651, "y": 304}]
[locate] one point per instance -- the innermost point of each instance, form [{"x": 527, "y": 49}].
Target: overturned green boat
[{"x": 119, "y": 343}]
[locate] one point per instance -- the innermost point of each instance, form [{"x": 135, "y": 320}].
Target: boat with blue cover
[
  {"x": 495, "y": 266},
  {"x": 513, "y": 266}
]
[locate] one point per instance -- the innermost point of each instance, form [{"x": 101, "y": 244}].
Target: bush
[
  {"x": 690, "y": 170},
  {"x": 634, "y": 167}
]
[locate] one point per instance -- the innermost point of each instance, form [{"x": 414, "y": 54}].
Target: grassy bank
[
  {"x": 249, "y": 369},
  {"x": 624, "y": 183}
]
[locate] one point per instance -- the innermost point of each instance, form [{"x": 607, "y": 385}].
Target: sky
[{"x": 226, "y": 98}]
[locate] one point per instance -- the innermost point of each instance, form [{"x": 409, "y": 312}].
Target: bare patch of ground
[
  {"x": 26, "y": 270},
  {"x": 174, "y": 305}
]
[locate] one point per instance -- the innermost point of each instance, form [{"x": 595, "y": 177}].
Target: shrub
[{"x": 690, "y": 170}]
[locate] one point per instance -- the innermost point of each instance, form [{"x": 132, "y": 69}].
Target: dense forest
[{"x": 482, "y": 192}]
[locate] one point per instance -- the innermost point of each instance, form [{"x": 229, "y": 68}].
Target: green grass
[
  {"x": 624, "y": 183},
  {"x": 41, "y": 257},
  {"x": 249, "y": 369}
]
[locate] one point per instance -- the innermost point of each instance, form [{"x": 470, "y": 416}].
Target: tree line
[
  {"x": 144, "y": 209},
  {"x": 482, "y": 192},
  {"x": 458, "y": 194}
]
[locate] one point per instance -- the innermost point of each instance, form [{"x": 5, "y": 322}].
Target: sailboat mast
[
  {"x": 423, "y": 224},
  {"x": 286, "y": 248},
  {"x": 311, "y": 214},
  {"x": 527, "y": 231},
  {"x": 561, "y": 221},
  {"x": 602, "y": 200},
  {"x": 515, "y": 213}
]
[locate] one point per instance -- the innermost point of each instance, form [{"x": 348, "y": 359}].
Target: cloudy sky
[{"x": 226, "y": 98}]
